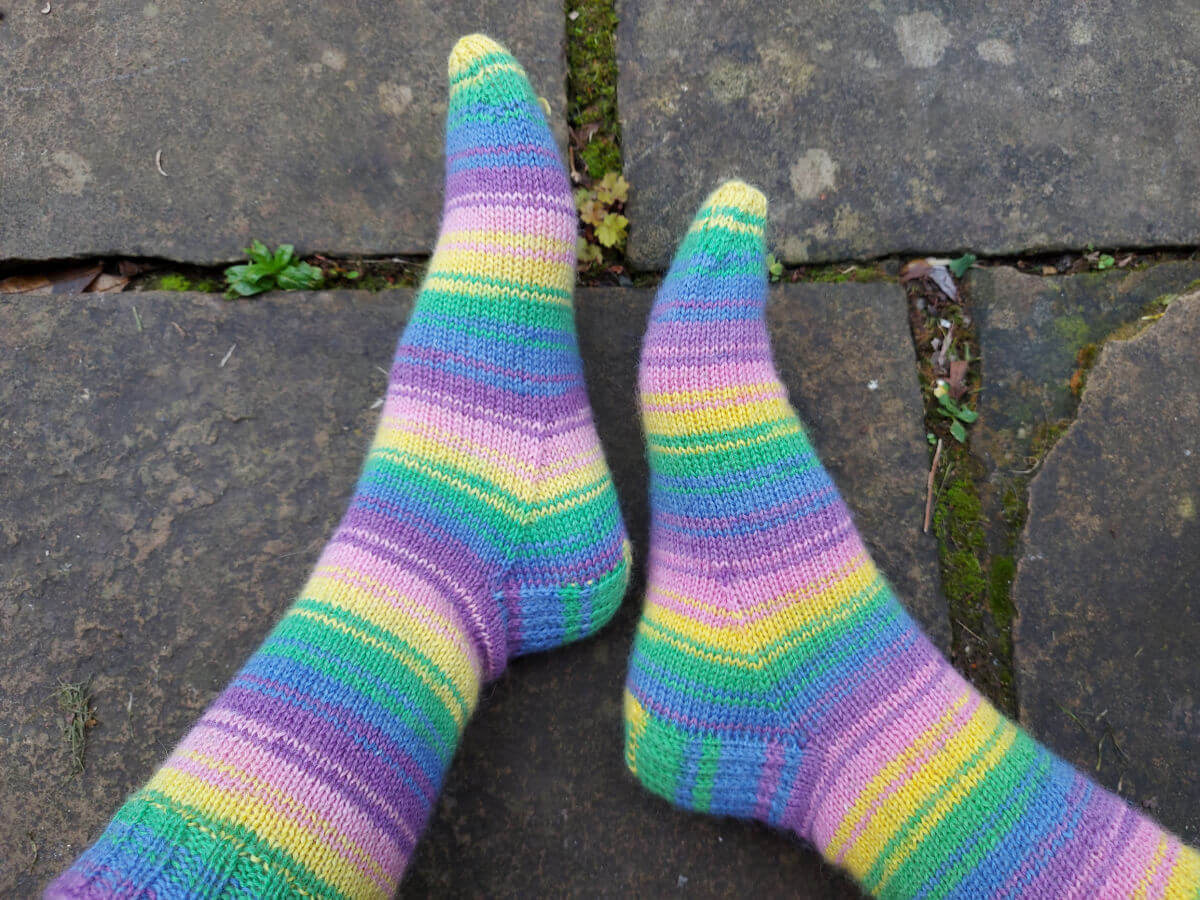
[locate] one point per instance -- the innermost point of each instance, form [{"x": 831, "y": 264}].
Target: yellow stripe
[
  {"x": 513, "y": 511},
  {"x": 413, "y": 452},
  {"x": 873, "y": 837},
  {"x": 391, "y": 612},
  {"x": 458, "y": 708},
  {"x": 876, "y": 786},
  {"x": 442, "y": 281},
  {"x": 635, "y": 722},
  {"x": 1144, "y": 884},
  {"x": 325, "y": 831},
  {"x": 549, "y": 510},
  {"x": 791, "y": 624},
  {"x": 712, "y": 420},
  {"x": 252, "y": 813},
  {"x": 512, "y": 239},
  {"x": 542, "y": 273},
  {"x": 725, "y": 222},
  {"x": 697, "y": 448},
  {"x": 709, "y": 395},
  {"x": 503, "y": 65},
  {"x": 1184, "y": 883}
]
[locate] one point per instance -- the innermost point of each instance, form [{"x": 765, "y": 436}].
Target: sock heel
[{"x": 541, "y": 617}]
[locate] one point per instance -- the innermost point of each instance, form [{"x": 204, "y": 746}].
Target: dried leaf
[
  {"x": 1049, "y": 270},
  {"x": 957, "y": 382},
  {"x": 105, "y": 284},
  {"x": 21, "y": 284},
  {"x": 129, "y": 268},
  {"x": 64, "y": 281},
  {"x": 917, "y": 268}
]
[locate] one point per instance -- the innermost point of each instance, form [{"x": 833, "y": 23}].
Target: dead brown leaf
[
  {"x": 105, "y": 284},
  {"x": 129, "y": 268},
  {"x": 65, "y": 281},
  {"x": 1049, "y": 270},
  {"x": 917, "y": 268},
  {"x": 957, "y": 382}
]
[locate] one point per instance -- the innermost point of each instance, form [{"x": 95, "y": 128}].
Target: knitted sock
[
  {"x": 775, "y": 676},
  {"x": 484, "y": 525}
]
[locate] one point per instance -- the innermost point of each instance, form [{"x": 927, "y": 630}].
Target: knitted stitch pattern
[
  {"x": 484, "y": 525},
  {"x": 774, "y": 674}
]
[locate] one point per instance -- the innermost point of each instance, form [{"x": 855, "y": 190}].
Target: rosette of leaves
[
  {"x": 600, "y": 214},
  {"x": 267, "y": 271}
]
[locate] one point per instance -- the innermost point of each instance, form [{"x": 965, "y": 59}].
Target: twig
[
  {"x": 937, "y": 454},
  {"x": 970, "y": 632},
  {"x": 136, "y": 317},
  {"x": 182, "y": 333},
  {"x": 225, "y": 358}
]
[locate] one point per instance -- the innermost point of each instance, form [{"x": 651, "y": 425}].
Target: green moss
[
  {"x": 1072, "y": 330},
  {"x": 173, "y": 281},
  {"x": 592, "y": 82},
  {"x": 600, "y": 157},
  {"x": 177, "y": 281},
  {"x": 838, "y": 273},
  {"x": 1000, "y": 579}
]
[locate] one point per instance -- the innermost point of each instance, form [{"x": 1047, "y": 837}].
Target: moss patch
[{"x": 592, "y": 84}]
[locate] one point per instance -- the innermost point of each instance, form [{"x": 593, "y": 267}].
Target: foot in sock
[
  {"x": 484, "y": 525},
  {"x": 775, "y": 676}
]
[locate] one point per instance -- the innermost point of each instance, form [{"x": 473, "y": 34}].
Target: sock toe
[
  {"x": 738, "y": 195},
  {"x": 471, "y": 49}
]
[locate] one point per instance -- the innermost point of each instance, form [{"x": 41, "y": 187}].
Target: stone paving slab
[
  {"x": 1031, "y": 329},
  {"x": 157, "y": 509},
  {"x": 1107, "y": 589},
  {"x": 877, "y": 128},
  {"x": 317, "y": 124}
]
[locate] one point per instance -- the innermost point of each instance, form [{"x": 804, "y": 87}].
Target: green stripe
[
  {"x": 445, "y": 736},
  {"x": 404, "y": 648},
  {"x": 170, "y": 826}
]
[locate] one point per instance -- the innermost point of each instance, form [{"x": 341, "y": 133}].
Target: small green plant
[
  {"x": 958, "y": 267},
  {"x": 268, "y": 271},
  {"x": 1105, "y": 262},
  {"x": 774, "y": 267},
  {"x": 959, "y": 415},
  {"x": 173, "y": 281},
  {"x": 600, "y": 213}
]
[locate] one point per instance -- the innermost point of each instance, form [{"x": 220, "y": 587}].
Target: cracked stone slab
[
  {"x": 1031, "y": 329},
  {"x": 308, "y": 123},
  {"x": 878, "y": 128},
  {"x": 1106, "y": 590},
  {"x": 158, "y": 509}
]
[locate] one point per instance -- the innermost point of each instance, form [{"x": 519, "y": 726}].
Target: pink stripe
[
  {"x": 876, "y": 756},
  {"x": 833, "y": 764},
  {"x": 1134, "y": 860},
  {"x": 293, "y": 783}
]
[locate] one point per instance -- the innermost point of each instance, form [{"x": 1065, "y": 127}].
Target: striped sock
[
  {"x": 484, "y": 525},
  {"x": 775, "y": 676}
]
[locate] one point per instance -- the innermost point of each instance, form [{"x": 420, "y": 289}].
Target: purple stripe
[{"x": 325, "y": 738}]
